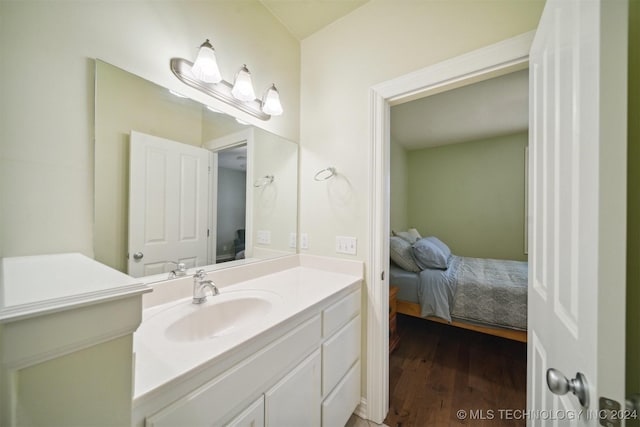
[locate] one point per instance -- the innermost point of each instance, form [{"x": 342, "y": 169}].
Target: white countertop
[
  {"x": 34, "y": 285},
  {"x": 160, "y": 360}
]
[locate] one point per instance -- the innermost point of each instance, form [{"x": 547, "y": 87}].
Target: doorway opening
[
  {"x": 232, "y": 203},
  {"x": 458, "y": 174},
  {"x": 499, "y": 59}
]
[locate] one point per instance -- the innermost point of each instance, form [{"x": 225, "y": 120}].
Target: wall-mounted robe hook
[
  {"x": 325, "y": 174},
  {"x": 264, "y": 181}
]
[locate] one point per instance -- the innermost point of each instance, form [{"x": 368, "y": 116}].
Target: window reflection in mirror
[{"x": 251, "y": 221}]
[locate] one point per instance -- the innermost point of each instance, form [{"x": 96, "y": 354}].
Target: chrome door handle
[
  {"x": 138, "y": 256},
  {"x": 559, "y": 384}
]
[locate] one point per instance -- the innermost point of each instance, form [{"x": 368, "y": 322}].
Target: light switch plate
[{"x": 346, "y": 245}]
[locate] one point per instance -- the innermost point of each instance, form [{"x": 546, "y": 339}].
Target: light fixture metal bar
[{"x": 181, "y": 68}]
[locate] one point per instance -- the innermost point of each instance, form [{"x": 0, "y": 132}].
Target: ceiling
[
  {"x": 490, "y": 108},
  {"x": 304, "y": 17}
]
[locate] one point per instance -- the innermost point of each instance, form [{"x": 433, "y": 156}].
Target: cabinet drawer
[
  {"x": 339, "y": 313},
  {"x": 343, "y": 400},
  {"x": 253, "y": 416},
  {"x": 339, "y": 353},
  {"x": 211, "y": 402}
]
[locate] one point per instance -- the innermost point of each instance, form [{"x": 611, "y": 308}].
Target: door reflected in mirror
[{"x": 178, "y": 183}]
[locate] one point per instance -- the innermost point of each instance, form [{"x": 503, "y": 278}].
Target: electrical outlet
[
  {"x": 263, "y": 237},
  {"x": 346, "y": 245},
  {"x": 293, "y": 240},
  {"x": 304, "y": 241}
]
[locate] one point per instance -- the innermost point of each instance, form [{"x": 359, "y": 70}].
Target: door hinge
[
  {"x": 207, "y": 232},
  {"x": 382, "y": 275}
]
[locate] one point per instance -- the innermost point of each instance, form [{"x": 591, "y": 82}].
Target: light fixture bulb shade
[
  {"x": 205, "y": 67},
  {"x": 271, "y": 102},
  {"x": 242, "y": 87}
]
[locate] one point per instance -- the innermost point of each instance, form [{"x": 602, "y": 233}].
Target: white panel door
[
  {"x": 168, "y": 204},
  {"x": 577, "y": 207}
]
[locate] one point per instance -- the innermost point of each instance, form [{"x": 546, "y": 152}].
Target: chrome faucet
[
  {"x": 181, "y": 270},
  {"x": 200, "y": 286}
]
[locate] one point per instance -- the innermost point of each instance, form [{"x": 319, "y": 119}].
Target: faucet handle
[
  {"x": 181, "y": 266},
  {"x": 200, "y": 274},
  {"x": 181, "y": 269}
]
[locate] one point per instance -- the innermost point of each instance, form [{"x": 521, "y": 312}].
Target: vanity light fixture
[
  {"x": 205, "y": 66},
  {"x": 271, "y": 101},
  {"x": 178, "y": 94},
  {"x": 205, "y": 76},
  {"x": 243, "y": 87}
]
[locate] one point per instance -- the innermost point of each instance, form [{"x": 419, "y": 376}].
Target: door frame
[
  {"x": 491, "y": 61},
  {"x": 242, "y": 137}
]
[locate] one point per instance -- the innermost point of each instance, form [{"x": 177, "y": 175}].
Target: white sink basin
[{"x": 223, "y": 314}]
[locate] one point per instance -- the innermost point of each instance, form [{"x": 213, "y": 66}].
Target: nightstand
[{"x": 394, "y": 338}]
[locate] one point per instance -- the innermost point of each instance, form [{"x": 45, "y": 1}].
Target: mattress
[
  {"x": 407, "y": 283},
  {"x": 481, "y": 291}
]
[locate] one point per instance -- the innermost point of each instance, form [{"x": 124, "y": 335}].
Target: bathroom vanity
[
  {"x": 290, "y": 355},
  {"x": 279, "y": 346}
]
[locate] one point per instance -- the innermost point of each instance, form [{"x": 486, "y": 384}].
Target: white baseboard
[{"x": 361, "y": 409}]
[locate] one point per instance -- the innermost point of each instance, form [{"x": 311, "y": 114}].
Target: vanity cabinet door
[
  {"x": 295, "y": 400},
  {"x": 253, "y": 416}
]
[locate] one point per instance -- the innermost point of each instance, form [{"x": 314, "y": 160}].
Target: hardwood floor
[{"x": 438, "y": 370}]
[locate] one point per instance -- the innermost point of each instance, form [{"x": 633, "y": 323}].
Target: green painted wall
[
  {"x": 399, "y": 219},
  {"x": 633, "y": 204},
  {"x": 471, "y": 195}
]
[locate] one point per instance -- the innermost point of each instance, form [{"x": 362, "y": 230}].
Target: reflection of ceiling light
[
  {"x": 178, "y": 94},
  {"x": 215, "y": 110},
  {"x": 205, "y": 67},
  {"x": 242, "y": 122}
]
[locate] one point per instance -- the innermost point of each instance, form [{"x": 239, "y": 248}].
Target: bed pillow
[
  {"x": 431, "y": 252},
  {"x": 400, "y": 252},
  {"x": 411, "y": 236}
]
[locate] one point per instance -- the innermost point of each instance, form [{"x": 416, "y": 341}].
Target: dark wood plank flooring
[{"x": 439, "y": 370}]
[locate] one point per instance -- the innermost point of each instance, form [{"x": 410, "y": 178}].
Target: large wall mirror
[{"x": 176, "y": 182}]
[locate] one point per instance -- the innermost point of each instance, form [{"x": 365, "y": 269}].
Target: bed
[{"x": 484, "y": 295}]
